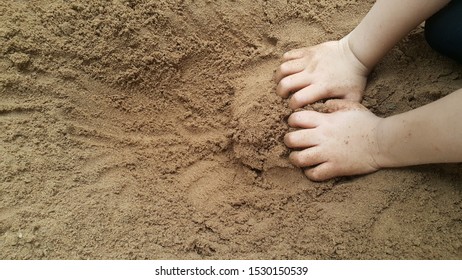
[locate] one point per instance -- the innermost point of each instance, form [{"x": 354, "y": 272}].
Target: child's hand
[
  {"x": 341, "y": 142},
  {"x": 324, "y": 71}
]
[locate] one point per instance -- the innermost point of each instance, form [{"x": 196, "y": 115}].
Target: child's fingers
[
  {"x": 293, "y": 54},
  {"x": 304, "y": 138},
  {"x": 292, "y": 83},
  {"x": 305, "y": 119},
  {"x": 308, "y": 95},
  {"x": 321, "y": 172},
  {"x": 288, "y": 68},
  {"x": 307, "y": 157}
]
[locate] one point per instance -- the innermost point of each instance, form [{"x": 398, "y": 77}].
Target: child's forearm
[
  {"x": 429, "y": 134},
  {"x": 386, "y": 23}
]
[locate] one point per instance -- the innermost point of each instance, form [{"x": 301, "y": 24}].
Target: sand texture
[{"x": 151, "y": 129}]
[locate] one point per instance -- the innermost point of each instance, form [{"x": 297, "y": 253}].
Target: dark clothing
[{"x": 443, "y": 30}]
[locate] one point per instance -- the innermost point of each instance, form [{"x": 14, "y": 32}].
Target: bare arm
[
  {"x": 386, "y": 24},
  {"x": 349, "y": 139},
  {"x": 339, "y": 69},
  {"x": 429, "y": 134}
]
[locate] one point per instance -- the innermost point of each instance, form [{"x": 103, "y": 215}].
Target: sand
[{"x": 151, "y": 130}]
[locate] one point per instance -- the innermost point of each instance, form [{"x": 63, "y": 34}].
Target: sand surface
[{"x": 151, "y": 129}]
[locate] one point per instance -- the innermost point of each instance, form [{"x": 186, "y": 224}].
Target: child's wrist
[
  {"x": 386, "y": 133},
  {"x": 345, "y": 43}
]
